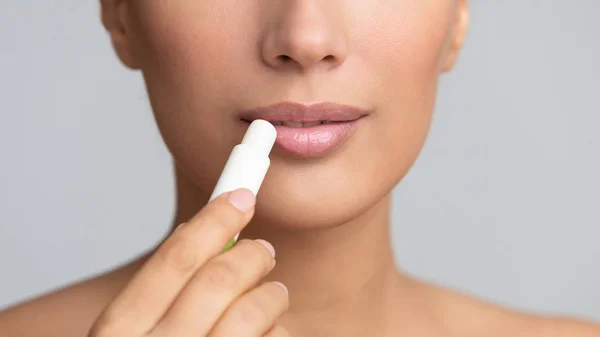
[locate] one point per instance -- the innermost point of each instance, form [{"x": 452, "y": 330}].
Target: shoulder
[
  {"x": 561, "y": 327},
  {"x": 65, "y": 312},
  {"x": 62, "y": 312},
  {"x": 466, "y": 316}
]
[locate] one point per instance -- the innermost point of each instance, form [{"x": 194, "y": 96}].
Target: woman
[{"x": 351, "y": 86}]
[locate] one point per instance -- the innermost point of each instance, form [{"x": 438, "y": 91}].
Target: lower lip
[{"x": 314, "y": 141}]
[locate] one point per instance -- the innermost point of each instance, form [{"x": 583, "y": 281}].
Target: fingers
[
  {"x": 215, "y": 286},
  {"x": 277, "y": 331},
  {"x": 158, "y": 282},
  {"x": 255, "y": 313}
]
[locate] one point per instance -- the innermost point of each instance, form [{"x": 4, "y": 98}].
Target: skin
[{"x": 327, "y": 218}]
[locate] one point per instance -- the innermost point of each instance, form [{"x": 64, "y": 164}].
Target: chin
[
  {"x": 297, "y": 213},
  {"x": 316, "y": 196}
]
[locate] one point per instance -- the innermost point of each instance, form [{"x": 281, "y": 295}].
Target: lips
[
  {"x": 294, "y": 124},
  {"x": 309, "y": 130}
]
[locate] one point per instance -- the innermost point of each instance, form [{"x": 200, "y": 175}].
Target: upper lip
[{"x": 299, "y": 112}]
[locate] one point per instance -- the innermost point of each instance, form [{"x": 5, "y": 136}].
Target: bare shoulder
[
  {"x": 466, "y": 316},
  {"x": 69, "y": 311},
  {"x": 562, "y": 327}
]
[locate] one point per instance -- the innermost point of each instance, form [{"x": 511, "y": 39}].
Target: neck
[{"x": 343, "y": 274}]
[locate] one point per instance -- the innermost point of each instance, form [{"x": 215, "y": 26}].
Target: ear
[
  {"x": 115, "y": 18},
  {"x": 459, "y": 34}
]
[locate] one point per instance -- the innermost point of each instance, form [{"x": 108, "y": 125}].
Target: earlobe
[
  {"x": 459, "y": 36},
  {"x": 114, "y": 15}
]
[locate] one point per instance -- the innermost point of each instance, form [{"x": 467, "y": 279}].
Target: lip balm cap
[{"x": 261, "y": 135}]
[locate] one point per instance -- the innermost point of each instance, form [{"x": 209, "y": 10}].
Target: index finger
[{"x": 158, "y": 282}]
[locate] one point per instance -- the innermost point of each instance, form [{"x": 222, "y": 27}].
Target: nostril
[{"x": 284, "y": 58}]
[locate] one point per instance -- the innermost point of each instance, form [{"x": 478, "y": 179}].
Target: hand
[{"x": 188, "y": 287}]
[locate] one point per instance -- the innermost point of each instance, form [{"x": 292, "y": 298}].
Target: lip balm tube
[{"x": 248, "y": 163}]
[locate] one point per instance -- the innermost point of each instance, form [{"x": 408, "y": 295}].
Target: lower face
[{"x": 205, "y": 62}]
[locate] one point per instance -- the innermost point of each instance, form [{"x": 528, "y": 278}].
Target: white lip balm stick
[{"x": 248, "y": 162}]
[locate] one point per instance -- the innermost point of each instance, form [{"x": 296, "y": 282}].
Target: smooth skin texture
[
  {"x": 186, "y": 289},
  {"x": 327, "y": 218}
]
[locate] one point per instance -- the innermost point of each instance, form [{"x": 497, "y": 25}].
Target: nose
[{"x": 303, "y": 38}]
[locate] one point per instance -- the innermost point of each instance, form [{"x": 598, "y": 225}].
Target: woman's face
[{"x": 206, "y": 61}]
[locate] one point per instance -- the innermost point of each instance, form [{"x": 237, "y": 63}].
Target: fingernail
[
  {"x": 282, "y": 286},
  {"x": 242, "y": 199},
  {"x": 268, "y": 246}
]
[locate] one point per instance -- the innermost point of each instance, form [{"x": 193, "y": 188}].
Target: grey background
[{"x": 501, "y": 204}]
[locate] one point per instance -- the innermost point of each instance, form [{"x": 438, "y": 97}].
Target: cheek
[
  {"x": 193, "y": 50},
  {"x": 190, "y": 60},
  {"x": 405, "y": 52}
]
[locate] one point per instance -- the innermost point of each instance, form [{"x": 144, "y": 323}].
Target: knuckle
[
  {"x": 249, "y": 313},
  {"x": 179, "y": 254},
  {"x": 221, "y": 275},
  {"x": 225, "y": 213},
  {"x": 216, "y": 225}
]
